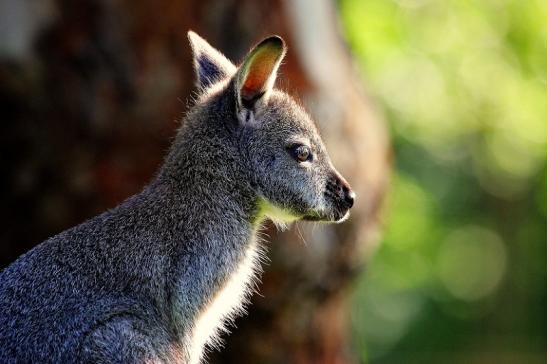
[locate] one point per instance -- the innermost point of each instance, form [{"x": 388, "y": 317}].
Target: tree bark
[{"x": 92, "y": 93}]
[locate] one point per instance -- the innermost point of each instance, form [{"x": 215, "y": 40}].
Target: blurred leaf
[{"x": 464, "y": 84}]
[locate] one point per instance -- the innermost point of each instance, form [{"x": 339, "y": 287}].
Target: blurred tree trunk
[{"x": 91, "y": 93}]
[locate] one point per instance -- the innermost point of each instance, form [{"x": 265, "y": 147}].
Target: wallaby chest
[{"x": 225, "y": 303}]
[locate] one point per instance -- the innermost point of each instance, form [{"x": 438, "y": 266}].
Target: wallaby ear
[
  {"x": 210, "y": 65},
  {"x": 255, "y": 78}
]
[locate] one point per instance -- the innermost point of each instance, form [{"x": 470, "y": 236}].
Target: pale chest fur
[{"x": 227, "y": 304}]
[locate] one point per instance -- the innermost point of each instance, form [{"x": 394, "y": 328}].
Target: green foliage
[{"x": 461, "y": 273}]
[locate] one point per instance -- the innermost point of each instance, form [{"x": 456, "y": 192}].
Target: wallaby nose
[
  {"x": 349, "y": 195},
  {"x": 345, "y": 192}
]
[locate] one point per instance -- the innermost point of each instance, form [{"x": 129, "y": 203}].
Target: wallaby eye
[{"x": 302, "y": 153}]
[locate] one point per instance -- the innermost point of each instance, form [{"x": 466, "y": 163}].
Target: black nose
[
  {"x": 343, "y": 191},
  {"x": 349, "y": 195}
]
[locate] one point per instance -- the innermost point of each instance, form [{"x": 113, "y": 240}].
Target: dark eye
[{"x": 302, "y": 153}]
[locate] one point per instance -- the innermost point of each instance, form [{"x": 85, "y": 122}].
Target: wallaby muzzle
[{"x": 341, "y": 195}]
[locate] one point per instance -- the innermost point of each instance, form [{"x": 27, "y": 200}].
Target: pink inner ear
[{"x": 260, "y": 70}]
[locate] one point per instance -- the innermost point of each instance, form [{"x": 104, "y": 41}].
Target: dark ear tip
[{"x": 274, "y": 41}]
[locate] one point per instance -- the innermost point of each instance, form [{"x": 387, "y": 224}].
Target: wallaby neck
[
  {"x": 212, "y": 214},
  {"x": 205, "y": 180}
]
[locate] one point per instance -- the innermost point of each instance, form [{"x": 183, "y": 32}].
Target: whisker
[{"x": 300, "y": 234}]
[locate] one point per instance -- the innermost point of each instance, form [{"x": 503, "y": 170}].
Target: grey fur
[{"x": 154, "y": 279}]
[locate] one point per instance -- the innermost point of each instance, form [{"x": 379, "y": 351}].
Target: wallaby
[{"x": 154, "y": 279}]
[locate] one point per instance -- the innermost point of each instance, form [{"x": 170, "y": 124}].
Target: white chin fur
[{"x": 280, "y": 217}]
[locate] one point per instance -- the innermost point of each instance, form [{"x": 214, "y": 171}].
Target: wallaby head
[{"x": 280, "y": 148}]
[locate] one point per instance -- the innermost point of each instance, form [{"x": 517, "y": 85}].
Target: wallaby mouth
[
  {"x": 338, "y": 212},
  {"x": 343, "y": 217},
  {"x": 336, "y": 216},
  {"x": 341, "y": 214}
]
